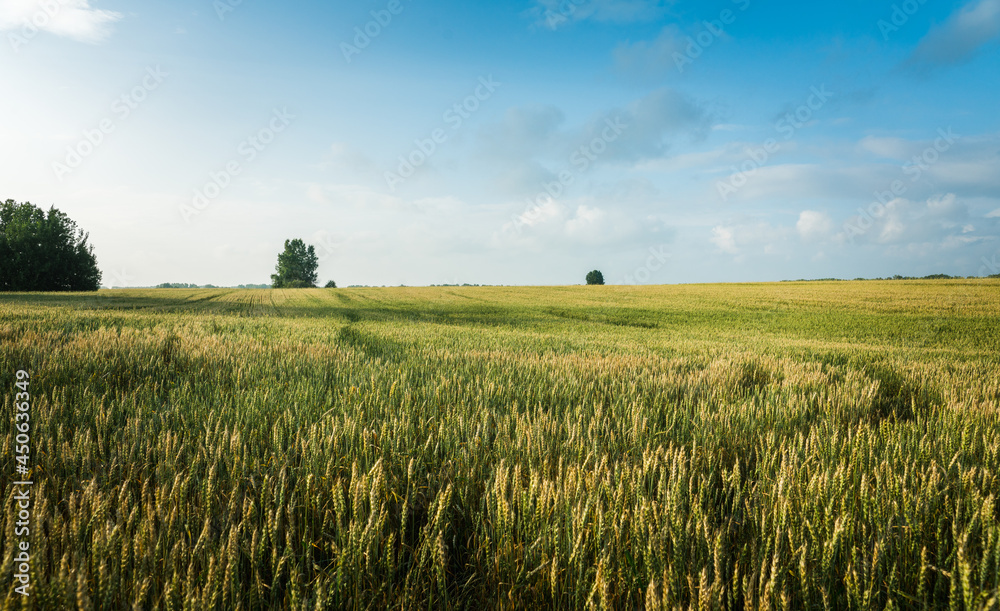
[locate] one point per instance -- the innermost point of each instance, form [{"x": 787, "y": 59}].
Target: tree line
[
  {"x": 44, "y": 251},
  {"x": 47, "y": 251}
]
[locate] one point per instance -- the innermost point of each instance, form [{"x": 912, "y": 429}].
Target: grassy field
[{"x": 796, "y": 445}]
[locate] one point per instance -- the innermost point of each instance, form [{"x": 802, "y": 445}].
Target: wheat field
[{"x": 822, "y": 445}]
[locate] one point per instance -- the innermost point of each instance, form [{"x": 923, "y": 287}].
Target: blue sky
[{"x": 510, "y": 142}]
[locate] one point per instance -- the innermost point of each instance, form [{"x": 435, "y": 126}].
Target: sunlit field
[{"x": 785, "y": 446}]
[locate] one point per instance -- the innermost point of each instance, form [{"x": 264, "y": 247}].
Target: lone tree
[
  {"x": 42, "y": 251},
  {"x": 595, "y": 277},
  {"x": 330, "y": 285},
  {"x": 296, "y": 267}
]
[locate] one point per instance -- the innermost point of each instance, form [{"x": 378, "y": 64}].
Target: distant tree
[
  {"x": 595, "y": 278},
  {"x": 42, "y": 251},
  {"x": 330, "y": 285},
  {"x": 296, "y": 266}
]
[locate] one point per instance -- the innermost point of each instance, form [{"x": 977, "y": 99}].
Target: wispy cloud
[
  {"x": 651, "y": 57},
  {"x": 960, "y": 37},
  {"x": 532, "y": 146},
  {"x": 553, "y": 14},
  {"x": 69, "y": 18}
]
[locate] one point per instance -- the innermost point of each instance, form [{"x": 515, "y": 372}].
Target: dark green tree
[
  {"x": 296, "y": 266},
  {"x": 331, "y": 285},
  {"x": 595, "y": 277},
  {"x": 42, "y": 251}
]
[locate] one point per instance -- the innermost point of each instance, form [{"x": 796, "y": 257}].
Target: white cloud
[
  {"x": 934, "y": 223},
  {"x": 725, "y": 240},
  {"x": 893, "y": 228},
  {"x": 586, "y": 221},
  {"x": 539, "y": 215},
  {"x": 958, "y": 38},
  {"x": 939, "y": 234},
  {"x": 70, "y": 18},
  {"x": 813, "y": 224},
  {"x": 945, "y": 205},
  {"x": 753, "y": 238},
  {"x": 578, "y": 223}
]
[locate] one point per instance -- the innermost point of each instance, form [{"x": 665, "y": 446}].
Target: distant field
[{"x": 797, "y": 445}]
